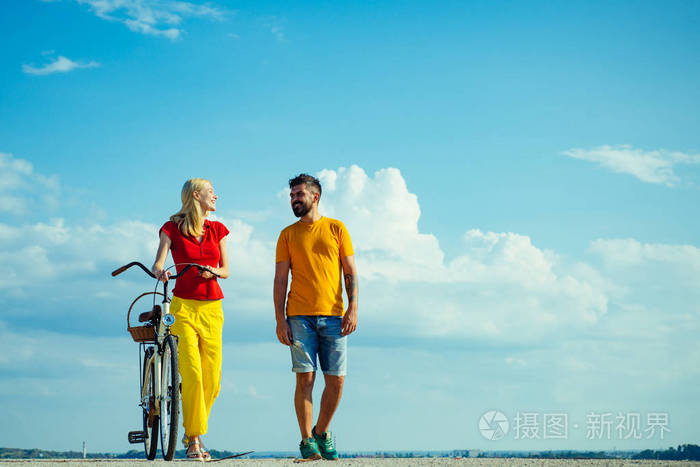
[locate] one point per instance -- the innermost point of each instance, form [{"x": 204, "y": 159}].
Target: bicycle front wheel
[
  {"x": 170, "y": 402},
  {"x": 148, "y": 394}
]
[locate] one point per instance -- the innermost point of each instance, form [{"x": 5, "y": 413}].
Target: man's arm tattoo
[{"x": 351, "y": 287}]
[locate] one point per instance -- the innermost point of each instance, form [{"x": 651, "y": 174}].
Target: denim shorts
[{"x": 318, "y": 336}]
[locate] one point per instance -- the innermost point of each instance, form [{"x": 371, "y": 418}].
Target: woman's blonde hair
[{"x": 189, "y": 218}]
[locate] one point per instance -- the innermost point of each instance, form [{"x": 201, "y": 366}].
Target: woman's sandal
[
  {"x": 205, "y": 453},
  {"x": 194, "y": 451}
]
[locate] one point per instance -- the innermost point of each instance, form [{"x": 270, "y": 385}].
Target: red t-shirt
[{"x": 186, "y": 249}]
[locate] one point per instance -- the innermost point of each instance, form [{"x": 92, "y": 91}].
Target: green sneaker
[
  {"x": 325, "y": 445},
  {"x": 309, "y": 449}
]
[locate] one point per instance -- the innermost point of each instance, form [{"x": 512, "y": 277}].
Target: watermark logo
[{"x": 493, "y": 425}]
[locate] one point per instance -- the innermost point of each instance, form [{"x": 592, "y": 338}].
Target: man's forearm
[
  {"x": 352, "y": 288},
  {"x": 280, "y": 295}
]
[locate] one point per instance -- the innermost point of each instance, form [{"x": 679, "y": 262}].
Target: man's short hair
[{"x": 309, "y": 180}]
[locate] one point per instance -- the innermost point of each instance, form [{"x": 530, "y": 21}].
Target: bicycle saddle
[{"x": 149, "y": 315}]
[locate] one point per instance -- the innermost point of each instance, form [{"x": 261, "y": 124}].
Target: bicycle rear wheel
[
  {"x": 170, "y": 402},
  {"x": 150, "y": 419}
]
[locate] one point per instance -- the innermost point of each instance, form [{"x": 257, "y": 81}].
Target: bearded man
[{"x": 315, "y": 325}]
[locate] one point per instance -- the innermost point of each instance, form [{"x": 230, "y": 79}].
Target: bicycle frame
[{"x": 163, "y": 330}]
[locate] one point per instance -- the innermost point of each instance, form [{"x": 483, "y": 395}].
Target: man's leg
[
  {"x": 333, "y": 356},
  {"x": 304, "y": 349},
  {"x": 302, "y": 402},
  {"x": 329, "y": 401}
]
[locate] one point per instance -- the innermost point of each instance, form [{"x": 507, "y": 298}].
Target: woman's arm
[
  {"x": 161, "y": 256},
  {"x": 222, "y": 270}
]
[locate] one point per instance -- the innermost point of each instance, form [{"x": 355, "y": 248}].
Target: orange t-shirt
[{"x": 314, "y": 250}]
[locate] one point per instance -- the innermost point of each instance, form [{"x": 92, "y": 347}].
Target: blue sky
[{"x": 520, "y": 179}]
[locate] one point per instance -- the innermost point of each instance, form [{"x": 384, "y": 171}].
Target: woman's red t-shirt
[{"x": 186, "y": 249}]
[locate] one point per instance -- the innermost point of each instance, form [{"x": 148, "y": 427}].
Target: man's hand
[
  {"x": 349, "y": 323},
  {"x": 284, "y": 332}
]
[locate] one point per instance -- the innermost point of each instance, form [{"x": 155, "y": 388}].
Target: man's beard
[{"x": 301, "y": 209}]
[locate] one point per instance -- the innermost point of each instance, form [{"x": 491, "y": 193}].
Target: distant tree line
[
  {"x": 14, "y": 453},
  {"x": 685, "y": 452},
  {"x": 572, "y": 455},
  {"x": 553, "y": 455}
]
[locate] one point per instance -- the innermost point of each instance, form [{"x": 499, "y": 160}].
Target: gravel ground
[{"x": 515, "y": 462}]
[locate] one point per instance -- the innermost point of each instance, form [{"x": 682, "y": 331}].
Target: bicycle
[{"x": 159, "y": 376}]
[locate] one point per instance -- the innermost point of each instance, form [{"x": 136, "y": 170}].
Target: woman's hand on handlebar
[
  {"x": 207, "y": 273},
  {"x": 161, "y": 274}
]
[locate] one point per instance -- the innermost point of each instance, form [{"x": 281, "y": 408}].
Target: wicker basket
[
  {"x": 146, "y": 333},
  {"x": 143, "y": 333}
]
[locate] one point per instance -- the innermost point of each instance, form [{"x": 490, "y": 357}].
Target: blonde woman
[{"x": 196, "y": 305}]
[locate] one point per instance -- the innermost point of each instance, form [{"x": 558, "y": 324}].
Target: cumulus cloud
[
  {"x": 60, "y": 250},
  {"x": 660, "y": 276},
  {"x": 155, "y": 17},
  {"x": 18, "y": 176},
  {"x": 631, "y": 252},
  {"x": 648, "y": 166},
  {"x": 502, "y": 257},
  {"x": 58, "y": 253},
  {"x": 59, "y": 65},
  {"x": 383, "y": 216},
  {"x": 499, "y": 286}
]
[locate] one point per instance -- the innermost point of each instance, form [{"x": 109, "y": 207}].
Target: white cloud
[
  {"x": 59, "y": 65},
  {"x": 273, "y": 24},
  {"x": 502, "y": 257},
  {"x": 383, "y": 216},
  {"x": 14, "y": 171},
  {"x": 652, "y": 276},
  {"x": 20, "y": 184},
  {"x": 248, "y": 255},
  {"x": 154, "y": 17},
  {"x": 648, "y": 166},
  {"x": 631, "y": 252},
  {"x": 58, "y": 253},
  {"x": 500, "y": 285}
]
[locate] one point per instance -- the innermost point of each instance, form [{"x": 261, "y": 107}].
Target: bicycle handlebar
[
  {"x": 116, "y": 272},
  {"x": 120, "y": 270}
]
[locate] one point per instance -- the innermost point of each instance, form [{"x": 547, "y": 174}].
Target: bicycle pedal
[{"x": 137, "y": 437}]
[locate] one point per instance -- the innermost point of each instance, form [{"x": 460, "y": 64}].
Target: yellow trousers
[{"x": 198, "y": 325}]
